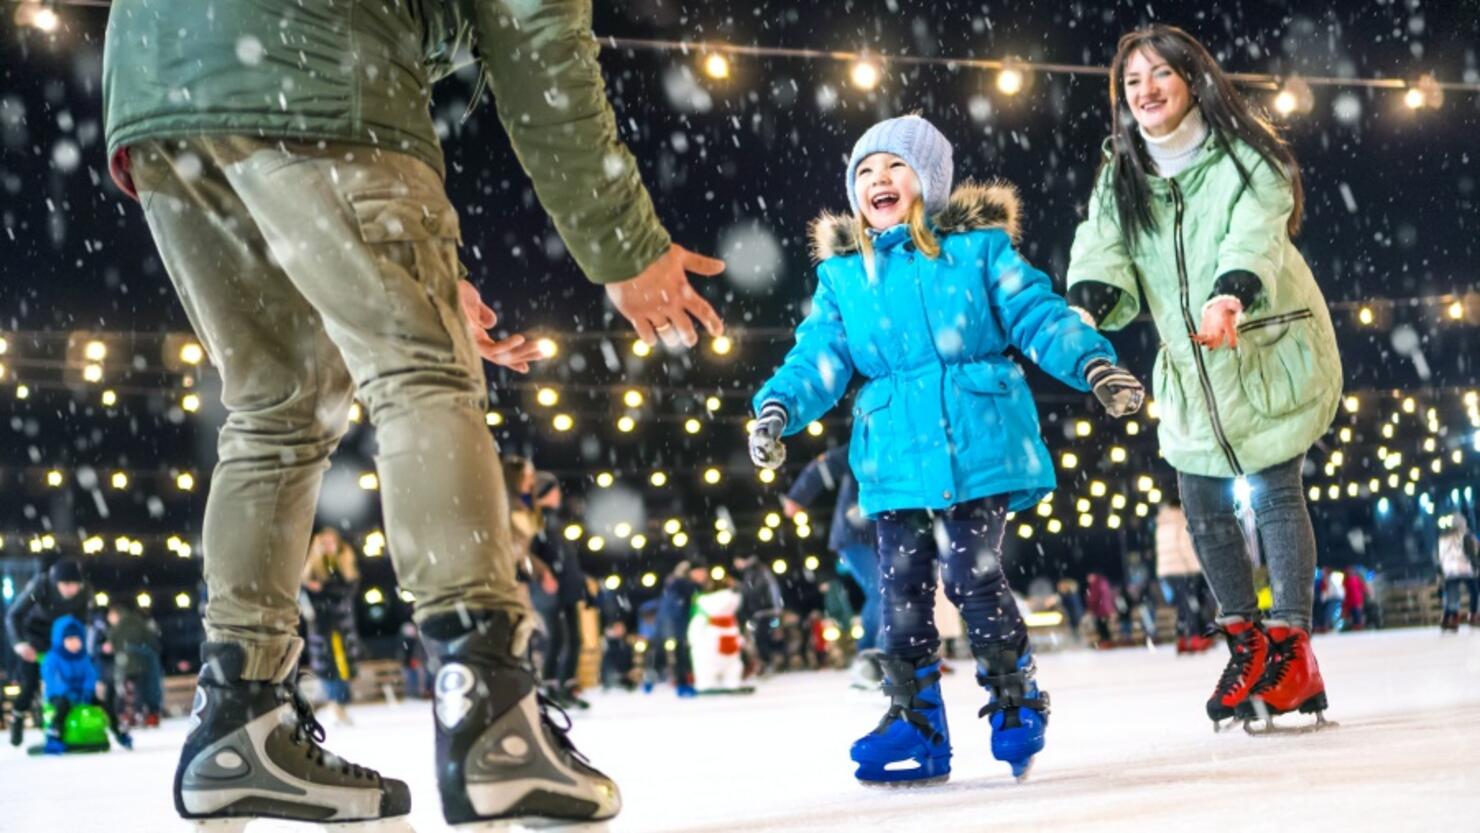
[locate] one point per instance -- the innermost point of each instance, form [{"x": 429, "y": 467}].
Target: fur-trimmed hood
[{"x": 972, "y": 206}]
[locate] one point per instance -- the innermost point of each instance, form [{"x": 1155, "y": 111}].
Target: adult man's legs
[
  {"x": 370, "y": 241},
  {"x": 287, "y": 393}
]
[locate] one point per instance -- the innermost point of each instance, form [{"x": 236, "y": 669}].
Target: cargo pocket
[
  {"x": 414, "y": 238},
  {"x": 1277, "y": 363}
]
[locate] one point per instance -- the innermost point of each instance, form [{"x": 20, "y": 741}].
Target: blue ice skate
[
  {"x": 912, "y": 745},
  {"x": 1017, "y": 710}
]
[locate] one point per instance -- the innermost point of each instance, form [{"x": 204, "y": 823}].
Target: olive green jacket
[
  {"x": 361, "y": 71},
  {"x": 1222, "y": 412}
]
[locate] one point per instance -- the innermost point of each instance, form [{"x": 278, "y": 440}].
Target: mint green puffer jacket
[{"x": 1222, "y": 412}]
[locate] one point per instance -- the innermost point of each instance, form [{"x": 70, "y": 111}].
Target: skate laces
[
  {"x": 561, "y": 734},
  {"x": 1281, "y": 657},
  {"x": 309, "y": 732},
  {"x": 1239, "y": 661}
]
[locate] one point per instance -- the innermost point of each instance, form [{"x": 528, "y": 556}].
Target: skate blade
[
  {"x": 1020, "y": 774},
  {"x": 906, "y": 784},
  {"x": 273, "y": 825},
  {"x": 1265, "y": 725}
]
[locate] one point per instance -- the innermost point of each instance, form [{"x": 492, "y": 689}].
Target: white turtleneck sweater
[{"x": 1172, "y": 153}]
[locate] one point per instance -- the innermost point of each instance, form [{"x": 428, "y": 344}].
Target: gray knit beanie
[{"x": 918, "y": 143}]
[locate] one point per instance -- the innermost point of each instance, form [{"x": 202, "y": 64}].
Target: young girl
[
  {"x": 1192, "y": 215},
  {"x": 921, "y": 292}
]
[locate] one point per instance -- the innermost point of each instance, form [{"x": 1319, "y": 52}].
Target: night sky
[{"x": 737, "y": 168}]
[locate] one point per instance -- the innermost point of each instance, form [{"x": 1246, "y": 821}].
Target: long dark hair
[{"x": 1226, "y": 112}]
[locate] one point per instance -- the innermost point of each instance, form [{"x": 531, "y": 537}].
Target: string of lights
[{"x": 867, "y": 70}]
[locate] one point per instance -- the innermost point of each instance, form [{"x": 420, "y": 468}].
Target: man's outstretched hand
[
  {"x": 659, "y": 300},
  {"x": 514, "y": 352}
]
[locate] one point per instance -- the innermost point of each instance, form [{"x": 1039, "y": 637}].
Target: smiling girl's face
[
  {"x": 1156, "y": 94},
  {"x": 886, "y": 188}
]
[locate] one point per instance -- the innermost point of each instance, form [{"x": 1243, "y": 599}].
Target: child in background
[
  {"x": 69, "y": 679},
  {"x": 922, "y": 292}
]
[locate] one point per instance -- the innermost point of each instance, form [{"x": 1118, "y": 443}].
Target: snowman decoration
[{"x": 714, "y": 642}]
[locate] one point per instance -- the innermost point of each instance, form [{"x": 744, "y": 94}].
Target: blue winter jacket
[
  {"x": 945, "y": 416},
  {"x": 69, "y": 675}
]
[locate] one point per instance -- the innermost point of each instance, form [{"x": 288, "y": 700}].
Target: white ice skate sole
[
  {"x": 270, "y": 825},
  {"x": 503, "y": 825}
]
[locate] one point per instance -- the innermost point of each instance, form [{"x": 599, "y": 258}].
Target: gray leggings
[{"x": 1285, "y": 532}]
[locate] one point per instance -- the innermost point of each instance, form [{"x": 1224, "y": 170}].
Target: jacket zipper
[
  {"x": 1197, "y": 356},
  {"x": 1283, "y": 318}
]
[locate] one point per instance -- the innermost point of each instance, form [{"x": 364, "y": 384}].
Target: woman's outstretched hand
[
  {"x": 1220, "y": 318},
  {"x": 514, "y": 352}
]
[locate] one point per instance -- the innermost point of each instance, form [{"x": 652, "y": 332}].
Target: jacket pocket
[
  {"x": 1277, "y": 363},
  {"x": 985, "y": 379},
  {"x": 1169, "y": 393},
  {"x": 870, "y": 430}
]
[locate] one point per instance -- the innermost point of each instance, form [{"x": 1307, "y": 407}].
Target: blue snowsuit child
[
  {"x": 68, "y": 679},
  {"x": 945, "y": 431}
]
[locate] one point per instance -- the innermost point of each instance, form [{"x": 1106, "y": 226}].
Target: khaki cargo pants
[{"x": 313, "y": 272}]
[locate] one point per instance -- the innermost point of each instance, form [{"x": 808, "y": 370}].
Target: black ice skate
[
  {"x": 253, "y": 752},
  {"x": 500, "y": 756}
]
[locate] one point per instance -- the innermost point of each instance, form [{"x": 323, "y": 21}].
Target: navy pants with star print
[{"x": 966, "y": 541}]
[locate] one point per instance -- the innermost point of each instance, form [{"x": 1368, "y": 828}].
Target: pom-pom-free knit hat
[{"x": 918, "y": 143}]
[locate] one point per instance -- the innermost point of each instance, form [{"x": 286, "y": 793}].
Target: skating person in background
[
  {"x": 331, "y": 582},
  {"x": 1335, "y": 596},
  {"x": 851, "y": 536},
  {"x": 1191, "y": 217},
  {"x": 1100, "y": 602},
  {"x": 563, "y": 615},
  {"x": 760, "y": 612},
  {"x": 671, "y": 647},
  {"x": 50, "y": 595},
  {"x": 617, "y": 657},
  {"x": 1178, "y": 570},
  {"x": 1071, "y": 601},
  {"x": 290, "y": 171},
  {"x": 921, "y": 291},
  {"x": 1354, "y": 600},
  {"x": 1457, "y": 556},
  {"x": 416, "y": 681},
  {"x": 70, "y": 679},
  {"x": 134, "y": 645}
]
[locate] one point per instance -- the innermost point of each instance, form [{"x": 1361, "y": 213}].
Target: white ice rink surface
[{"x": 1129, "y": 749}]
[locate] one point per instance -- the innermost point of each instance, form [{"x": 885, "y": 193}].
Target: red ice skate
[
  {"x": 1291, "y": 682},
  {"x": 1248, "y": 650}
]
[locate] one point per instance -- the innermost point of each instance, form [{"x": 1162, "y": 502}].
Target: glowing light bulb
[
  {"x": 1010, "y": 81},
  {"x": 864, "y": 74},
  {"x": 716, "y": 66}
]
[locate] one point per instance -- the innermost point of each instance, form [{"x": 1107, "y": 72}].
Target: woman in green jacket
[{"x": 1191, "y": 216}]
